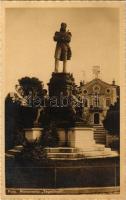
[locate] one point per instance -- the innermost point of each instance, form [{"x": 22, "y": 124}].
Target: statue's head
[{"x": 63, "y": 26}]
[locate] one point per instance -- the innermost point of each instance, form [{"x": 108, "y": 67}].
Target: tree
[
  {"x": 19, "y": 115},
  {"x": 50, "y": 135},
  {"x": 13, "y": 122},
  {"x": 31, "y": 89},
  {"x": 112, "y": 121},
  {"x": 32, "y": 92}
]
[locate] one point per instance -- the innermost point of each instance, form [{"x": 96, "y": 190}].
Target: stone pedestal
[
  {"x": 77, "y": 137},
  {"x": 81, "y": 137},
  {"x": 32, "y": 134},
  {"x": 78, "y": 143},
  {"x": 61, "y": 86},
  {"x": 63, "y": 137},
  {"x": 60, "y": 83}
]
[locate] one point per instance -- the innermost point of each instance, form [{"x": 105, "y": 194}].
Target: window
[
  {"x": 96, "y": 88},
  {"x": 85, "y": 103},
  {"x": 108, "y": 91},
  {"x": 108, "y": 102},
  {"x": 85, "y": 91},
  {"x": 96, "y": 100}
]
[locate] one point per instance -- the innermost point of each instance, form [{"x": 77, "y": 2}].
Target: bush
[
  {"x": 50, "y": 136},
  {"x": 112, "y": 121},
  {"x": 32, "y": 151}
]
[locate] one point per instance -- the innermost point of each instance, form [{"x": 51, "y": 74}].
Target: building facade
[{"x": 98, "y": 96}]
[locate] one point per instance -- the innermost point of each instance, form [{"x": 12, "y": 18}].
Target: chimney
[{"x": 113, "y": 82}]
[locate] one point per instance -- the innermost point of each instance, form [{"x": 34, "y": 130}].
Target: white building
[{"x": 98, "y": 96}]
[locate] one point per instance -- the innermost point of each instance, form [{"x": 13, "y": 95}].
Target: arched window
[
  {"x": 85, "y": 103},
  {"x": 108, "y": 91},
  {"x": 96, "y": 88},
  {"x": 85, "y": 91},
  {"x": 108, "y": 102},
  {"x": 96, "y": 118},
  {"x": 96, "y": 100}
]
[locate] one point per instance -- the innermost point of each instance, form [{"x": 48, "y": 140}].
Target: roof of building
[{"x": 97, "y": 80}]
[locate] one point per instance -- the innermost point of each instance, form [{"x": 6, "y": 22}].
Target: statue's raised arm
[{"x": 63, "y": 50}]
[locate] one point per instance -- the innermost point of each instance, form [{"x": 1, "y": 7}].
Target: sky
[{"x": 29, "y": 47}]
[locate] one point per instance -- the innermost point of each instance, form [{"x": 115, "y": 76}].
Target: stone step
[
  {"x": 95, "y": 154},
  {"x": 61, "y": 150},
  {"x": 75, "y": 150},
  {"x": 13, "y": 151},
  {"x": 105, "y": 152},
  {"x": 18, "y": 147},
  {"x": 100, "y": 142},
  {"x": 98, "y": 135},
  {"x": 95, "y": 148},
  {"x": 99, "y": 128},
  {"x": 100, "y": 139},
  {"x": 64, "y": 155},
  {"x": 9, "y": 155},
  {"x": 89, "y": 157},
  {"x": 102, "y": 131}
]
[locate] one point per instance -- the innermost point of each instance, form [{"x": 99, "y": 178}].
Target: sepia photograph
[{"x": 62, "y": 128}]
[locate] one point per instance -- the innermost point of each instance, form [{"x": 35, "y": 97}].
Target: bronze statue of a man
[{"x": 63, "y": 50}]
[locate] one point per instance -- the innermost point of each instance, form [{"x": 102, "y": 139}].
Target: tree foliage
[
  {"x": 50, "y": 136},
  {"x": 112, "y": 121},
  {"x": 32, "y": 91},
  {"x": 17, "y": 115},
  {"x": 32, "y": 151},
  {"x": 13, "y": 122},
  {"x": 30, "y": 87}
]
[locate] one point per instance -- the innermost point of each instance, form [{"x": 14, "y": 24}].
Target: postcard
[{"x": 63, "y": 100}]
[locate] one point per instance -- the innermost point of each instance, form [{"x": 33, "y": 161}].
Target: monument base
[
  {"x": 78, "y": 143},
  {"x": 77, "y": 137}
]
